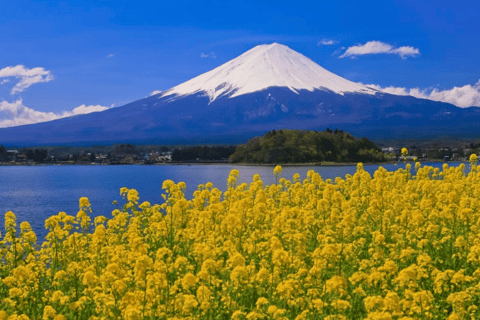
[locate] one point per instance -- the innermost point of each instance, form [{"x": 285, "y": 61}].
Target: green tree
[
  {"x": 3, "y": 153},
  {"x": 40, "y": 155}
]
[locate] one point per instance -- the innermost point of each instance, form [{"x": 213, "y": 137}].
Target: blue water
[{"x": 35, "y": 193}]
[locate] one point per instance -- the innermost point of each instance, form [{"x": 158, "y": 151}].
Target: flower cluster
[{"x": 393, "y": 246}]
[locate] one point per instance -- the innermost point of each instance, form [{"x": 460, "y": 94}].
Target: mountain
[
  {"x": 264, "y": 67},
  {"x": 268, "y": 87}
]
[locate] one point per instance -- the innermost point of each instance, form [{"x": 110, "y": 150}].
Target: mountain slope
[{"x": 268, "y": 87}]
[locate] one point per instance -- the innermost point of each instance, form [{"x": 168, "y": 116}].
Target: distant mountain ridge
[{"x": 268, "y": 87}]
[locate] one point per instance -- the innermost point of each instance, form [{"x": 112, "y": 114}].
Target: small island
[{"x": 302, "y": 146}]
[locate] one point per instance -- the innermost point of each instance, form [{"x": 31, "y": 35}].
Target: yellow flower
[
  {"x": 182, "y": 185},
  {"x": 132, "y": 312},
  {"x": 10, "y": 220},
  {"x": 167, "y": 184},
  {"x": 261, "y": 301},
  {"x": 83, "y": 202},
  {"x": 336, "y": 284},
  {"x": 277, "y": 170},
  {"x": 132, "y": 195},
  {"x": 123, "y": 191},
  {"x": 254, "y": 315},
  {"x": 296, "y": 177},
  {"x": 473, "y": 158},
  {"x": 74, "y": 306},
  {"x": 360, "y": 291},
  {"x": 272, "y": 309},
  {"x": 49, "y": 313},
  {"x": 404, "y": 152},
  {"x": 340, "y": 305},
  {"x": 238, "y": 315},
  {"x": 189, "y": 303},
  {"x": 363, "y": 245},
  {"x": 89, "y": 278},
  {"x": 9, "y": 281},
  {"x": 318, "y": 304},
  {"x": 15, "y": 292},
  {"x": 302, "y": 315},
  {"x": 454, "y": 316},
  {"x": 189, "y": 280},
  {"x": 204, "y": 297},
  {"x": 25, "y": 226}
]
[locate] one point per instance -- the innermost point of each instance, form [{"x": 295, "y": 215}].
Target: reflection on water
[{"x": 34, "y": 193}]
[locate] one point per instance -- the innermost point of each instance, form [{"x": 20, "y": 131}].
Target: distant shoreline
[{"x": 315, "y": 164}]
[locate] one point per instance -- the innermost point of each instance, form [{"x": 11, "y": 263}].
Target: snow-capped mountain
[
  {"x": 268, "y": 87},
  {"x": 263, "y": 67}
]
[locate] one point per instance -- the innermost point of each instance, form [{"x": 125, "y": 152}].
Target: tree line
[
  {"x": 37, "y": 155},
  {"x": 209, "y": 153},
  {"x": 116, "y": 152}
]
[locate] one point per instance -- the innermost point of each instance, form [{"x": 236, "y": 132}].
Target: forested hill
[{"x": 296, "y": 146}]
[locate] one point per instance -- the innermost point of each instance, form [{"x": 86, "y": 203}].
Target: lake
[{"x": 35, "y": 193}]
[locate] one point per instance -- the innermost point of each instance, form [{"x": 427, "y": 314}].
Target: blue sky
[{"x": 61, "y": 58}]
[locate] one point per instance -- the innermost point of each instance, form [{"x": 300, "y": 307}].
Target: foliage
[
  {"x": 3, "y": 153},
  {"x": 37, "y": 155},
  {"x": 122, "y": 149},
  {"x": 397, "y": 245},
  {"x": 202, "y": 153},
  {"x": 295, "y": 146}
]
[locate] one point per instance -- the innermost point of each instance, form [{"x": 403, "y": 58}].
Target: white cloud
[
  {"x": 16, "y": 114},
  {"x": 208, "y": 55},
  {"x": 155, "y": 92},
  {"x": 406, "y": 51},
  {"x": 26, "y": 77},
  {"x": 4, "y": 81},
  {"x": 377, "y": 47},
  {"x": 463, "y": 97},
  {"x": 327, "y": 42},
  {"x": 83, "y": 109},
  {"x": 336, "y": 52},
  {"x": 111, "y": 55}
]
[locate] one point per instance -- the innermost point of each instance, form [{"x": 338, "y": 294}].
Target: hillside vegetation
[{"x": 297, "y": 146}]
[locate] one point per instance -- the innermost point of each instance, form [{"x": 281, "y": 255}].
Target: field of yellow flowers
[{"x": 399, "y": 245}]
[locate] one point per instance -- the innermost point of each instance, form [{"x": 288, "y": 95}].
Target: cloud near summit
[
  {"x": 154, "y": 92},
  {"x": 377, "y": 47},
  {"x": 26, "y": 77},
  {"x": 463, "y": 97}
]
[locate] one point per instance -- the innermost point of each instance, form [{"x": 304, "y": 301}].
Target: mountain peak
[
  {"x": 264, "y": 66},
  {"x": 269, "y": 46}
]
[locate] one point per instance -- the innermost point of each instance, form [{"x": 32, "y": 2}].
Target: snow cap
[{"x": 262, "y": 67}]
